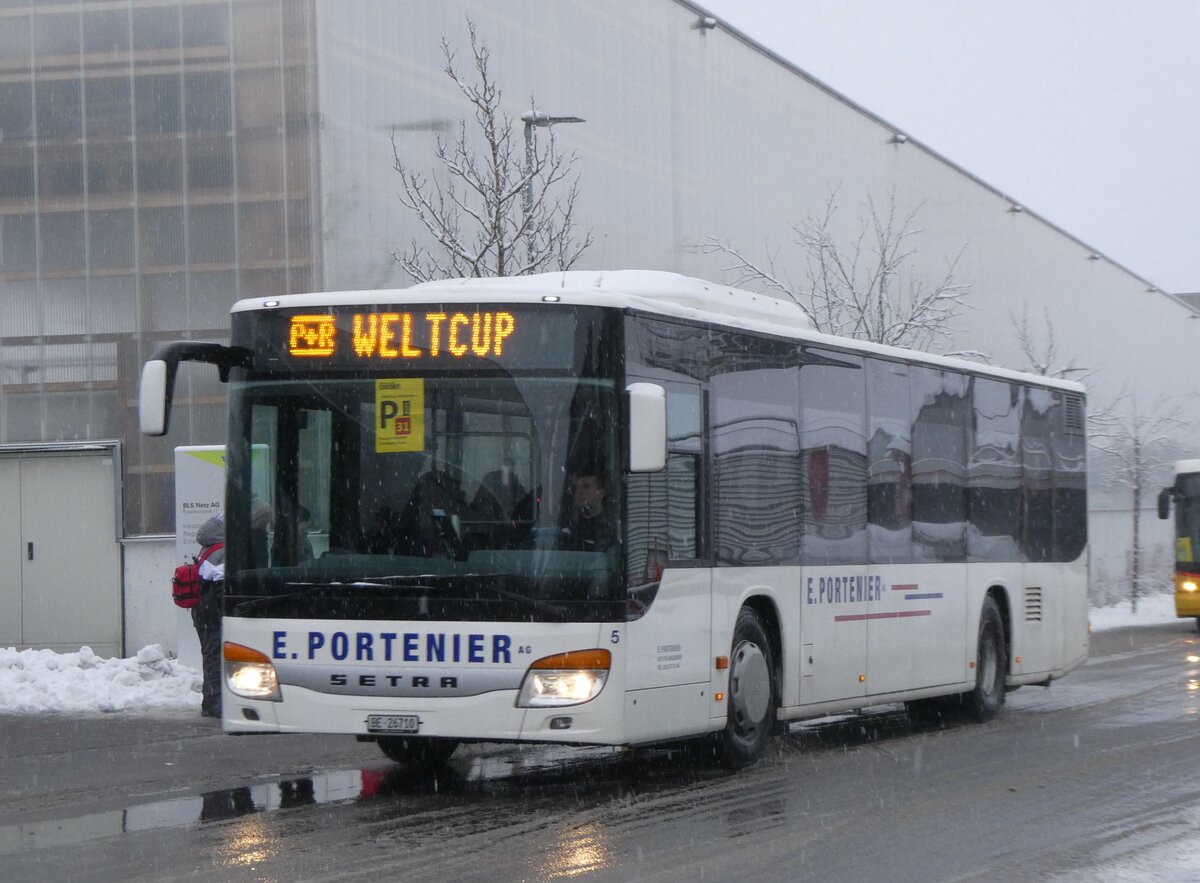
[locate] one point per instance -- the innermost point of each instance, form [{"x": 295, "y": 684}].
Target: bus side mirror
[
  {"x": 647, "y": 427},
  {"x": 153, "y": 395},
  {"x": 158, "y": 377},
  {"x": 1164, "y": 502}
]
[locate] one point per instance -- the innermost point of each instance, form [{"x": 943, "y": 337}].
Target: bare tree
[
  {"x": 1139, "y": 441},
  {"x": 491, "y": 212},
  {"x": 864, "y": 290},
  {"x": 1040, "y": 348}
]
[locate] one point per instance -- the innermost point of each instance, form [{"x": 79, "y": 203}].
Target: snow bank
[{"x": 36, "y": 681}]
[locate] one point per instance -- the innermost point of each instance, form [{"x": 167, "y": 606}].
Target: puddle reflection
[
  {"x": 491, "y": 770},
  {"x": 536, "y": 776}
]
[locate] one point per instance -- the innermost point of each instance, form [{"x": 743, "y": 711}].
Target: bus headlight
[
  {"x": 565, "y": 679},
  {"x": 1189, "y": 585},
  {"x": 250, "y": 673}
]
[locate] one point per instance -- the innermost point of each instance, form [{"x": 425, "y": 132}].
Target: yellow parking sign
[{"x": 399, "y": 416}]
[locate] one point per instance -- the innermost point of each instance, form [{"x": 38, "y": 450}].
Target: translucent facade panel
[
  {"x": 101, "y": 236},
  {"x": 23, "y": 365},
  {"x": 23, "y": 415},
  {"x": 259, "y": 99},
  {"x": 210, "y": 234},
  {"x": 109, "y": 171},
  {"x": 19, "y": 318},
  {"x": 109, "y": 106},
  {"x": 104, "y": 361},
  {"x": 113, "y": 301},
  {"x": 64, "y": 305},
  {"x": 157, "y": 105},
  {"x": 18, "y": 244},
  {"x": 260, "y": 165},
  {"x": 156, "y": 27},
  {"x": 62, "y": 241},
  {"x": 110, "y": 239},
  {"x": 206, "y": 24},
  {"x": 161, "y": 235},
  {"x": 299, "y": 228},
  {"x": 211, "y": 295},
  {"x": 56, "y": 34},
  {"x": 209, "y": 162},
  {"x": 16, "y": 172},
  {"x": 14, "y": 40},
  {"x": 16, "y": 108},
  {"x": 252, "y": 21},
  {"x": 60, "y": 170},
  {"x": 68, "y": 415},
  {"x": 160, "y": 166},
  {"x": 165, "y": 303},
  {"x": 106, "y": 31},
  {"x": 261, "y": 231},
  {"x": 207, "y": 100},
  {"x": 105, "y": 419},
  {"x": 263, "y": 282},
  {"x": 65, "y": 363},
  {"x": 59, "y": 108}
]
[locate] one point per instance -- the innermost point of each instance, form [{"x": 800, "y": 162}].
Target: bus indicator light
[{"x": 722, "y": 663}]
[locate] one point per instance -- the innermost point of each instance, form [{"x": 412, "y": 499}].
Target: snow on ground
[{"x": 40, "y": 681}]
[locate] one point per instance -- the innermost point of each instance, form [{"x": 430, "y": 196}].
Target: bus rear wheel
[
  {"x": 991, "y": 665},
  {"x": 418, "y": 753},
  {"x": 751, "y": 694}
]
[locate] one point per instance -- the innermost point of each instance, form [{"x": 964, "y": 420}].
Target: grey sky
[{"x": 1085, "y": 111}]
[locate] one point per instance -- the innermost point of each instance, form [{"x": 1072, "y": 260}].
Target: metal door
[{"x": 69, "y": 554}]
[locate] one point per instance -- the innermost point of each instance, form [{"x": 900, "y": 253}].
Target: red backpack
[{"x": 185, "y": 584}]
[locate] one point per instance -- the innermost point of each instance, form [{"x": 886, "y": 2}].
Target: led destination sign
[
  {"x": 382, "y": 338},
  {"x": 403, "y": 336}
]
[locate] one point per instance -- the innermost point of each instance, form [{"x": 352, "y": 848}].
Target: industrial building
[{"x": 161, "y": 159}]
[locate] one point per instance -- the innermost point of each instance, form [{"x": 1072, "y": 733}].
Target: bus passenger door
[{"x": 668, "y": 658}]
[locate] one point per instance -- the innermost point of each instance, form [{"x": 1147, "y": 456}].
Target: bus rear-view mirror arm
[
  {"x": 647, "y": 427},
  {"x": 158, "y": 377}
]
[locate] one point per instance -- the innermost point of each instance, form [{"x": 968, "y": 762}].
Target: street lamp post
[{"x": 533, "y": 118}]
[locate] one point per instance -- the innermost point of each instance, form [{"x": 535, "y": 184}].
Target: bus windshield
[
  {"x": 1187, "y": 517},
  {"x": 438, "y": 495}
]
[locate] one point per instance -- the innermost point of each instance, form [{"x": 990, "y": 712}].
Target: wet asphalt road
[{"x": 1098, "y": 767}]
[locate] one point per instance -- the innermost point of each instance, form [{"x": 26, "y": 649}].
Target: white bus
[{"x": 627, "y": 508}]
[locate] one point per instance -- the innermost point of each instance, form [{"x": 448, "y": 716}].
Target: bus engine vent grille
[
  {"x": 1073, "y": 415},
  {"x": 1033, "y": 603}
]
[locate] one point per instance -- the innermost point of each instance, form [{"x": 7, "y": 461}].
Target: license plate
[{"x": 393, "y": 723}]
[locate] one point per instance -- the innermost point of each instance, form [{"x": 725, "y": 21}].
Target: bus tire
[
  {"x": 420, "y": 753},
  {"x": 991, "y": 665},
  {"x": 750, "y": 696}
]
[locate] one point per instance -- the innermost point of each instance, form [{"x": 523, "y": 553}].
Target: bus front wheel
[
  {"x": 991, "y": 665},
  {"x": 751, "y": 694},
  {"x": 427, "y": 753}
]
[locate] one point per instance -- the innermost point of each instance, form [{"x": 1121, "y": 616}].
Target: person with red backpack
[{"x": 206, "y": 614}]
